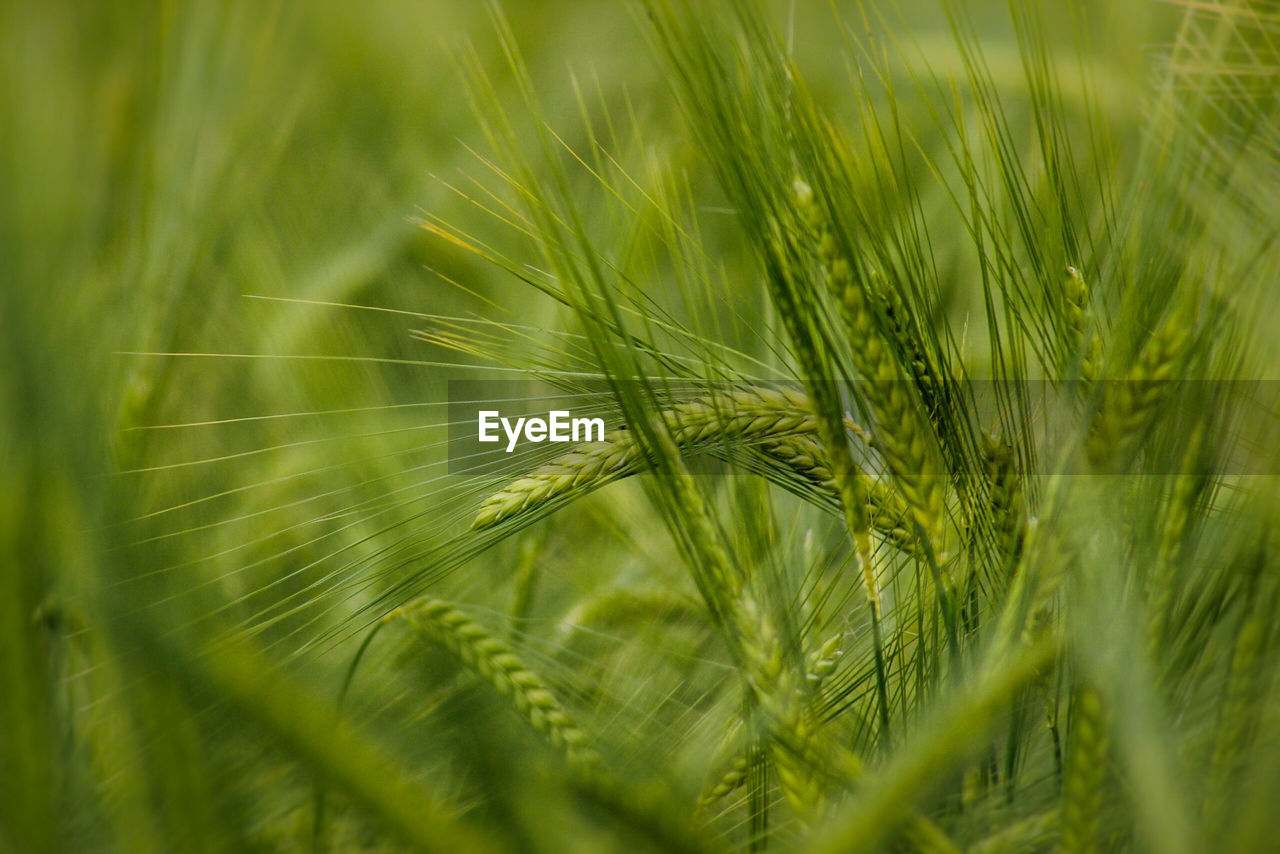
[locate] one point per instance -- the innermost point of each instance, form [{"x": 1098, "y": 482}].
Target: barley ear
[
  {"x": 929, "y": 380},
  {"x": 1240, "y": 712},
  {"x": 490, "y": 658},
  {"x": 888, "y": 516},
  {"x": 908, "y": 446},
  {"x": 822, "y": 662},
  {"x": 612, "y": 609},
  {"x": 1078, "y": 308},
  {"x": 744, "y": 415},
  {"x": 729, "y": 782},
  {"x": 1083, "y": 793},
  {"x": 1128, "y": 404},
  {"x": 1177, "y": 519}
]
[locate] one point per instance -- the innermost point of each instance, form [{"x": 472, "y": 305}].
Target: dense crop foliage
[{"x": 936, "y": 509}]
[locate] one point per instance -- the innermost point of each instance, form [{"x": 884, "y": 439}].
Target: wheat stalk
[
  {"x": 490, "y": 658},
  {"x": 1005, "y": 497}
]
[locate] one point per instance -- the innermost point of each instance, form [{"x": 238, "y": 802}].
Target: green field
[{"x": 936, "y": 506}]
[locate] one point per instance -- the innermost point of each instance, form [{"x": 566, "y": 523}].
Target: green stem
[{"x": 882, "y": 689}]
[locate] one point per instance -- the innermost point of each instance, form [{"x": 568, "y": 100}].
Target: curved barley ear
[
  {"x": 901, "y": 435},
  {"x": 490, "y": 658},
  {"x": 1082, "y": 795},
  {"x": 805, "y": 458},
  {"x": 744, "y": 415}
]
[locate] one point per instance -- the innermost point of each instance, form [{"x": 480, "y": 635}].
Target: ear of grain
[
  {"x": 780, "y": 697},
  {"x": 1240, "y": 713},
  {"x": 1005, "y": 495},
  {"x": 820, "y": 664},
  {"x": 1079, "y": 339},
  {"x": 1177, "y": 519},
  {"x": 1075, "y": 295},
  {"x": 888, "y": 515},
  {"x": 1083, "y": 793},
  {"x": 745, "y": 415},
  {"x": 618, "y": 609},
  {"x": 803, "y": 755},
  {"x": 901, "y": 435},
  {"x": 1128, "y": 405},
  {"x": 729, "y": 782},
  {"x": 490, "y": 658},
  {"x": 901, "y": 328}
]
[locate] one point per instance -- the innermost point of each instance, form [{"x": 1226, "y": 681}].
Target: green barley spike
[
  {"x": 1083, "y": 793},
  {"x": 744, "y": 415},
  {"x": 1177, "y": 519},
  {"x": 1078, "y": 305},
  {"x": 901, "y": 435},
  {"x": 1128, "y": 405},
  {"x": 1240, "y": 711},
  {"x": 729, "y": 782},
  {"x": 1005, "y": 496},
  {"x": 888, "y": 515},
  {"x": 490, "y": 658}
]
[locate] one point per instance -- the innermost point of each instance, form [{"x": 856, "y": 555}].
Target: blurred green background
[{"x": 163, "y": 162}]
